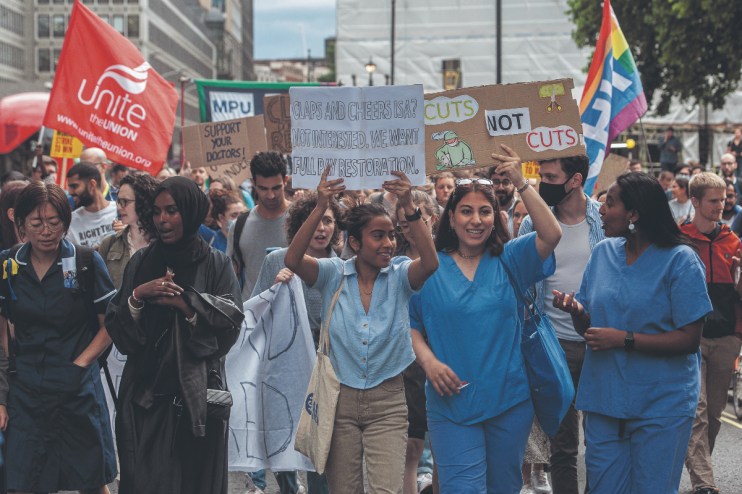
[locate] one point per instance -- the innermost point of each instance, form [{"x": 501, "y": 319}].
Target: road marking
[
  {"x": 729, "y": 415},
  {"x": 731, "y": 422}
]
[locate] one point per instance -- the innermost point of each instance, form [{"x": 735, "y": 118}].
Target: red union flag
[{"x": 108, "y": 96}]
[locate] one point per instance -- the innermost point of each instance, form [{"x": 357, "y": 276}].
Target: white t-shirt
[
  {"x": 572, "y": 254},
  {"x": 89, "y": 228}
]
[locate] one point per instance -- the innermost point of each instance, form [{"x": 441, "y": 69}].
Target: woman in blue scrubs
[
  {"x": 640, "y": 308},
  {"x": 478, "y": 400}
]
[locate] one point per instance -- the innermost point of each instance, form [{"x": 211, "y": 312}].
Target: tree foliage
[{"x": 690, "y": 49}]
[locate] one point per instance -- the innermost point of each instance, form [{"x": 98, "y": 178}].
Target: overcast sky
[{"x": 287, "y": 28}]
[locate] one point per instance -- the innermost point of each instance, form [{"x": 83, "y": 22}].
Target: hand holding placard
[{"x": 510, "y": 164}]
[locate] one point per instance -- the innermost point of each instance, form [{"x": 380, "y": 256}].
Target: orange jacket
[{"x": 717, "y": 256}]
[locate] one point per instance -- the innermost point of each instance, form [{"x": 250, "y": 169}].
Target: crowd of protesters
[{"x": 638, "y": 281}]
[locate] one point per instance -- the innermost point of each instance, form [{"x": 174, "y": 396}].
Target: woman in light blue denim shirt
[{"x": 369, "y": 333}]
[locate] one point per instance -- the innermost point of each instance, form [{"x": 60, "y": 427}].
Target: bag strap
[
  {"x": 324, "y": 335},
  {"x": 239, "y": 226},
  {"x": 527, "y": 300}
]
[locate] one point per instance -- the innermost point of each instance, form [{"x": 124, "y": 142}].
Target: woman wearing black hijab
[{"x": 175, "y": 317}]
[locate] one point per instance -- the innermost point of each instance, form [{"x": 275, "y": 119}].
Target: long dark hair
[
  {"x": 446, "y": 239},
  {"x": 642, "y": 193}
]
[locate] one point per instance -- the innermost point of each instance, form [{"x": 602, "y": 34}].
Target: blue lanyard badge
[{"x": 69, "y": 272}]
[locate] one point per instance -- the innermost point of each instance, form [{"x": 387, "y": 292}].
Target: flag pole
[{"x": 644, "y": 140}]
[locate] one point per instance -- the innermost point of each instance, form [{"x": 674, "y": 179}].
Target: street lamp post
[
  {"x": 183, "y": 79},
  {"x": 370, "y": 68}
]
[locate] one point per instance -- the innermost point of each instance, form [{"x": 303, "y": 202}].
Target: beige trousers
[
  {"x": 370, "y": 423},
  {"x": 717, "y": 365}
]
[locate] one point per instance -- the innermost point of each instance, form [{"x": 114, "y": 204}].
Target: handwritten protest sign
[
  {"x": 65, "y": 146},
  {"x": 277, "y": 118},
  {"x": 538, "y": 120},
  {"x": 363, "y": 133},
  {"x": 225, "y": 148}
]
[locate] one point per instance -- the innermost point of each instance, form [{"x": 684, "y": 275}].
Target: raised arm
[
  {"x": 296, "y": 260},
  {"x": 548, "y": 231},
  {"x": 421, "y": 268}
]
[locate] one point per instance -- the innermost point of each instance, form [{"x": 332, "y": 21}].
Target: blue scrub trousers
[
  {"x": 489, "y": 453},
  {"x": 648, "y": 458}
]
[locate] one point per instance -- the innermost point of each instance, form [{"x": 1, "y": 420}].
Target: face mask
[
  {"x": 553, "y": 194},
  {"x": 230, "y": 224}
]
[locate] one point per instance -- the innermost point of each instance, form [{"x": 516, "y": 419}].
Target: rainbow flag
[{"x": 613, "y": 97}]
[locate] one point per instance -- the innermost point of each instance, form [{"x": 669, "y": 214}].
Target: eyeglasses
[
  {"x": 53, "y": 226},
  {"x": 469, "y": 181},
  {"x": 122, "y": 203}
]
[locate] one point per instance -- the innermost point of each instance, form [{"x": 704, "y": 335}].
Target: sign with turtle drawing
[{"x": 538, "y": 120}]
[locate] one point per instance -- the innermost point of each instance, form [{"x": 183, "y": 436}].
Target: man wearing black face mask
[{"x": 561, "y": 188}]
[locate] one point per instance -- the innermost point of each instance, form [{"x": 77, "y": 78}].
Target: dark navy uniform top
[{"x": 59, "y": 432}]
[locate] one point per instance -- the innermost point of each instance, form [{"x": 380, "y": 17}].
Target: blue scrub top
[
  {"x": 474, "y": 327},
  {"x": 663, "y": 290}
]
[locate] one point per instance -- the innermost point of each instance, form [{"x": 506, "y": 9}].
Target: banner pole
[{"x": 644, "y": 140}]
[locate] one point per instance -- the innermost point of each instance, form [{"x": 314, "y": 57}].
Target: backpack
[
  {"x": 86, "y": 281},
  {"x": 239, "y": 226}
]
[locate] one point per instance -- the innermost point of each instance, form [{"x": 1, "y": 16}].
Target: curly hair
[
  {"x": 446, "y": 239},
  {"x": 300, "y": 211},
  {"x": 220, "y": 200},
  {"x": 143, "y": 185}
]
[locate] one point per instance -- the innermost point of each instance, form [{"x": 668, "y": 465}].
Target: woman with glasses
[
  {"x": 134, "y": 206},
  {"x": 58, "y": 430},
  {"x": 466, "y": 332}
]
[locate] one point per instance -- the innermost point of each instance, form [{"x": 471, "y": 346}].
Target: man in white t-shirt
[
  {"x": 93, "y": 218},
  {"x": 561, "y": 188}
]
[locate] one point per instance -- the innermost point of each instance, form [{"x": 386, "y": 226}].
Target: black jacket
[{"x": 216, "y": 298}]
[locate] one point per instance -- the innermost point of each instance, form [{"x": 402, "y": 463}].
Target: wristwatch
[
  {"x": 414, "y": 216},
  {"x": 628, "y": 342}
]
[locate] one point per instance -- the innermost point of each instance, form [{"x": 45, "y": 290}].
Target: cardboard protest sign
[
  {"x": 363, "y": 133},
  {"x": 225, "y": 148},
  {"x": 613, "y": 166},
  {"x": 277, "y": 118},
  {"x": 538, "y": 120}
]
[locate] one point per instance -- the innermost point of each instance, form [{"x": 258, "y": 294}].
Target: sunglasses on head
[{"x": 469, "y": 181}]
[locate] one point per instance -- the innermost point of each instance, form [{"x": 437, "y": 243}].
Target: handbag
[
  {"x": 317, "y": 420},
  {"x": 218, "y": 400},
  {"x": 549, "y": 379}
]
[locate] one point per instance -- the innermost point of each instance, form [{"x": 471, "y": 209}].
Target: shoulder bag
[
  {"x": 317, "y": 420},
  {"x": 552, "y": 390}
]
